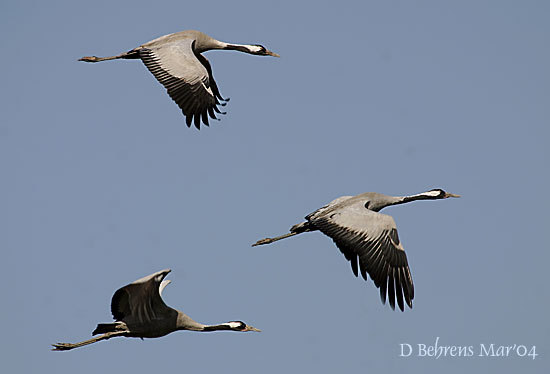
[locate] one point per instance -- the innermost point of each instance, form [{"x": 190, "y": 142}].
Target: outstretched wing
[
  {"x": 371, "y": 238},
  {"x": 140, "y": 301},
  {"x": 187, "y": 76}
]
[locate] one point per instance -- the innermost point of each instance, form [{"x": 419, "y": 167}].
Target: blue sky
[{"x": 102, "y": 182}]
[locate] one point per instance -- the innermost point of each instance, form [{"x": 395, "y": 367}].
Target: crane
[
  {"x": 177, "y": 62},
  {"x": 368, "y": 239},
  {"x": 140, "y": 312}
]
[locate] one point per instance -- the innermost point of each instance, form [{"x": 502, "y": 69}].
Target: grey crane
[
  {"x": 363, "y": 235},
  {"x": 177, "y": 62},
  {"x": 140, "y": 312}
]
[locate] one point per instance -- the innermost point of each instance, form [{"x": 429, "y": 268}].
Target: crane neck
[
  {"x": 428, "y": 195},
  {"x": 184, "y": 322},
  {"x": 246, "y": 48},
  {"x": 221, "y": 326}
]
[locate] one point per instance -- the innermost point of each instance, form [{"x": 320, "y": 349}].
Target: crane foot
[
  {"x": 63, "y": 346},
  {"x": 263, "y": 241},
  {"x": 89, "y": 59}
]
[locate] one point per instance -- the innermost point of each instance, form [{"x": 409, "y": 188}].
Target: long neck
[
  {"x": 221, "y": 326},
  {"x": 428, "y": 195},
  {"x": 184, "y": 322},
  {"x": 246, "y": 48}
]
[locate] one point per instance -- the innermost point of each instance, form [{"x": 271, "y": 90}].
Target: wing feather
[
  {"x": 187, "y": 77},
  {"x": 372, "y": 238},
  {"x": 140, "y": 301}
]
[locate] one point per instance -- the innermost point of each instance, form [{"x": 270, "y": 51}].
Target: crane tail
[
  {"x": 69, "y": 346},
  {"x": 103, "y": 328}
]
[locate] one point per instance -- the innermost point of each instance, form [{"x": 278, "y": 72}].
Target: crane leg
[
  {"x": 133, "y": 54},
  {"x": 271, "y": 240},
  {"x": 69, "y": 346},
  {"x": 97, "y": 59}
]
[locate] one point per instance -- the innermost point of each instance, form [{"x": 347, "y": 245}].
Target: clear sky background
[{"x": 102, "y": 183}]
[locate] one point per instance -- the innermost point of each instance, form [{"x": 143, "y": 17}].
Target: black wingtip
[
  {"x": 211, "y": 113},
  {"x": 399, "y": 290},
  {"x": 197, "y": 121},
  {"x": 383, "y": 295},
  {"x": 205, "y": 118},
  {"x": 354, "y": 266},
  {"x": 391, "y": 290}
]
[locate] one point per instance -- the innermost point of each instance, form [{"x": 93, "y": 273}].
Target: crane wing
[
  {"x": 372, "y": 238},
  {"x": 187, "y": 77},
  {"x": 330, "y": 206},
  {"x": 140, "y": 301}
]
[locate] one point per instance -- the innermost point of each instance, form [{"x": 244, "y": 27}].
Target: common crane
[
  {"x": 177, "y": 62},
  {"x": 140, "y": 312},
  {"x": 366, "y": 236}
]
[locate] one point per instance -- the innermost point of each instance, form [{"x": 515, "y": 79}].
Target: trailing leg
[
  {"x": 69, "y": 346},
  {"x": 294, "y": 230},
  {"x": 133, "y": 54}
]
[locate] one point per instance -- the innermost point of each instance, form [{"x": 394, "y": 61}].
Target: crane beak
[
  {"x": 269, "y": 53},
  {"x": 447, "y": 194},
  {"x": 250, "y": 328}
]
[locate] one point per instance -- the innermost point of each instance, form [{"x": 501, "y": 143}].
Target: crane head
[
  {"x": 442, "y": 194},
  {"x": 241, "y": 326},
  {"x": 263, "y": 51}
]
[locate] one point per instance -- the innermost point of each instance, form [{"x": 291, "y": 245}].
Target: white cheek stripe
[
  {"x": 253, "y": 48},
  {"x": 428, "y": 193}
]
